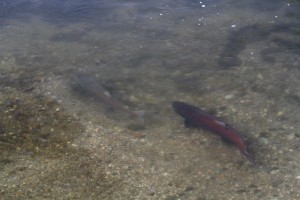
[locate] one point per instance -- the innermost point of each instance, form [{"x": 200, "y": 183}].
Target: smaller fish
[
  {"x": 90, "y": 85},
  {"x": 195, "y": 117}
]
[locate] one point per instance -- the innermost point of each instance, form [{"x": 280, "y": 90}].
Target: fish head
[{"x": 183, "y": 109}]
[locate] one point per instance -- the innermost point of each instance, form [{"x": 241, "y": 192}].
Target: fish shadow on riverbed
[
  {"x": 88, "y": 86},
  {"x": 239, "y": 40}
]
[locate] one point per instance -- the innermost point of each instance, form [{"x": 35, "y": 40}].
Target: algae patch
[{"x": 35, "y": 125}]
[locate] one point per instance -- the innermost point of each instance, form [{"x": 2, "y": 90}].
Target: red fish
[{"x": 195, "y": 117}]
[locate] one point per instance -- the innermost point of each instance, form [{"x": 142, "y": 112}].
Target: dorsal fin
[{"x": 221, "y": 123}]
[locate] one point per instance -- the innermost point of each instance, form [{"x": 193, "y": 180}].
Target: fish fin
[
  {"x": 226, "y": 140},
  {"x": 249, "y": 157},
  {"x": 189, "y": 124},
  {"x": 220, "y": 123},
  {"x": 247, "y": 141},
  {"x": 106, "y": 93}
]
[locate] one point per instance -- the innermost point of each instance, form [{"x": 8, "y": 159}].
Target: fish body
[
  {"x": 90, "y": 85},
  {"x": 195, "y": 117}
]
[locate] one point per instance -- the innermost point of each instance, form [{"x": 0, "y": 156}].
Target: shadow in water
[{"x": 238, "y": 41}]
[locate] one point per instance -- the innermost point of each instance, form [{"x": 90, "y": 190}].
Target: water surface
[{"x": 236, "y": 59}]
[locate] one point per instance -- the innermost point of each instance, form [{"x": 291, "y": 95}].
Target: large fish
[
  {"x": 90, "y": 85},
  {"x": 195, "y": 117}
]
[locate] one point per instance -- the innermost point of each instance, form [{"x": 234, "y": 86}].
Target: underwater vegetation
[{"x": 35, "y": 125}]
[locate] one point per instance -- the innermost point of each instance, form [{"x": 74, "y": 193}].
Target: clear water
[{"x": 236, "y": 59}]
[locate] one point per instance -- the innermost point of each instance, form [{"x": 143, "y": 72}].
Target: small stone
[
  {"x": 291, "y": 136},
  {"x": 229, "y": 96},
  {"x": 279, "y": 114},
  {"x": 133, "y": 98},
  {"x": 176, "y": 73},
  {"x": 138, "y": 135},
  {"x": 260, "y": 76},
  {"x": 275, "y": 171},
  {"x": 151, "y": 192},
  {"x": 189, "y": 188},
  {"x": 263, "y": 141},
  {"x": 298, "y": 177}
]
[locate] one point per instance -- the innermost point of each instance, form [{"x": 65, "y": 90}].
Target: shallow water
[{"x": 238, "y": 60}]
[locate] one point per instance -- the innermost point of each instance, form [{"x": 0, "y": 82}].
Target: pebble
[
  {"x": 279, "y": 114},
  {"x": 229, "y": 96},
  {"x": 176, "y": 73},
  {"x": 138, "y": 135},
  {"x": 275, "y": 171},
  {"x": 263, "y": 141},
  {"x": 133, "y": 98},
  {"x": 260, "y": 76},
  {"x": 291, "y": 136}
]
